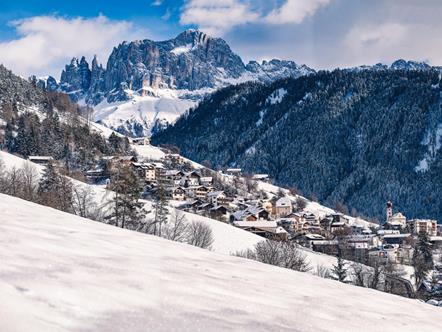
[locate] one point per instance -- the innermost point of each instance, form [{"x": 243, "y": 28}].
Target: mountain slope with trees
[
  {"x": 38, "y": 122},
  {"x": 357, "y": 137}
]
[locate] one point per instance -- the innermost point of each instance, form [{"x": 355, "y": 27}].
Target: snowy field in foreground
[{"x": 60, "y": 272}]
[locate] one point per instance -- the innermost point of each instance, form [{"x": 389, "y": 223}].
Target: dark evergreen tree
[
  {"x": 55, "y": 190},
  {"x": 422, "y": 260},
  {"x": 339, "y": 270},
  {"x": 128, "y": 211}
]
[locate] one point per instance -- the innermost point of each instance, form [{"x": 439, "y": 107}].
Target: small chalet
[
  {"x": 261, "y": 177},
  {"x": 217, "y": 197},
  {"x": 191, "y": 179},
  {"x": 178, "y": 194},
  {"x": 206, "y": 180},
  {"x": 141, "y": 141},
  {"x": 41, "y": 160},
  {"x": 233, "y": 171},
  {"x": 219, "y": 212},
  {"x": 252, "y": 213},
  {"x": 201, "y": 192},
  {"x": 264, "y": 228}
]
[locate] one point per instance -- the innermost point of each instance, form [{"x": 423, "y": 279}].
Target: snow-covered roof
[
  {"x": 260, "y": 176},
  {"x": 47, "y": 158},
  {"x": 396, "y": 236},
  {"x": 233, "y": 170},
  {"x": 283, "y": 201},
  {"x": 257, "y": 223},
  {"x": 215, "y": 193}
]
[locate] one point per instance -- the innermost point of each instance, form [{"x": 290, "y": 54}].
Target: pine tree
[
  {"x": 55, "y": 190},
  {"x": 128, "y": 211},
  {"x": 161, "y": 211},
  {"x": 339, "y": 270},
  {"x": 422, "y": 260}
]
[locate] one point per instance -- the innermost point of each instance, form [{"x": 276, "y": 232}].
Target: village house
[
  {"x": 261, "y": 177},
  {"x": 233, "y": 171},
  {"x": 397, "y": 239},
  {"x": 191, "y": 179},
  {"x": 201, "y": 192},
  {"x": 141, "y": 141},
  {"x": 311, "y": 218},
  {"x": 173, "y": 177},
  {"x": 41, "y": 160},
  {"x": 219, "y": 212},
  {"x": 390, "y": 253},
  {"x": 174, "y": 158},
  {"x": 206, "y": 180},
  {"x": 116, "y": 162},
  {"x": 283, "y": 207},
  {"x": 95, "y": 175},
  {"x": 178, "y": 194},
  {"x": 308, "y": 240},
  {"x": 251, "y": 213},
  {"x": 428, "y": 226},
  {"x": 329, "y": 247},
  {"x": 265, "y": 228},
  {"x": 217, "y": 197}
]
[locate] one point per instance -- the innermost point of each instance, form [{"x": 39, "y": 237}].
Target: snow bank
[{"x": 60, "y": 272}]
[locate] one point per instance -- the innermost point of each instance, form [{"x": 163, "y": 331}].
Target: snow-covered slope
[
  {"x": 138, "y": 115},
  {"x": 60, "y": 272}
]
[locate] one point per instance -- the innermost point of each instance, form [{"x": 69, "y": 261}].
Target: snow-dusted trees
[
  {"x": 20, "y": 182},
  {"x": 177, "y": 228},
  {"x": 84, "y": 205},
  {"x": 199, "y": 235},
  {"x": 55, "y": 190},
  {"x": 161, "y": 212},
  {"x": 280, "y": 253},
  {"x": 127, "y": 210}
]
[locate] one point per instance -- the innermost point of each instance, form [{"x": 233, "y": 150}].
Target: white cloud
[
  {"x": 376, "y": 37},
  {"x": 386, "y": 42},
  {"x": 157, "y": 3},
  {"x": 216, "y": 17},
  {"x": 46, "y": 43},
  {"x": 295, "y": 11}
]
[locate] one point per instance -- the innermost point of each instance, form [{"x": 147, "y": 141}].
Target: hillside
[
  {"x": 38, "y": 122},
  {"x": 76, "y": 275},
  {"x": 357, "y": 137}
]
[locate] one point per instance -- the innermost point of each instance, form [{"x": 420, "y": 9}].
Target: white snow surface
[
  {"x": 166, "y": 105},
  {"x": 60, "y": 272},
  {"x": 182, "y": 49}
]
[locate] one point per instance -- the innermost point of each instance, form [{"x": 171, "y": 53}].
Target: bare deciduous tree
[
  {"x": 283, "y": 254},
  {"x": 83, "y": 203},
  {"x": 200, "y": 235},
  {"x": 29, "y": 181},
  {"x": 176, "y": 228}
]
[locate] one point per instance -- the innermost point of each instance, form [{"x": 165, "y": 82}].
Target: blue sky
[{"x": 40, "y": 36}]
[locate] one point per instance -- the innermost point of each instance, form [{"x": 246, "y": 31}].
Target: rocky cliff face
[{"x": 191, "y": 61}]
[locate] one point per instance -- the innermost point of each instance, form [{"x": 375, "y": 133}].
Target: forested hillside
[
  {"x": 353, "y": 137},
  {"x": 38, "y": 122}
]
